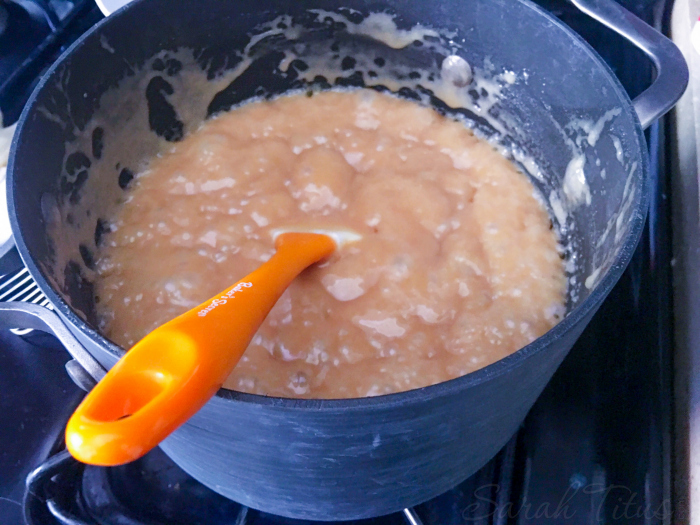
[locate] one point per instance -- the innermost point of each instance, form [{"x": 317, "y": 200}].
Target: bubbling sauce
[{"x": 458, "y": 265}]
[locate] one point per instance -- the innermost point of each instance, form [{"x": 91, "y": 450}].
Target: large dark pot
[{"x": 345, "y": 459}]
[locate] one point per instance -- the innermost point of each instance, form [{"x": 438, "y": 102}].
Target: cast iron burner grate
[{"x": 155, "y": 491}]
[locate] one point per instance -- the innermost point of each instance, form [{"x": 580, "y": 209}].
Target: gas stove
[{"x": 596, "y": 448}]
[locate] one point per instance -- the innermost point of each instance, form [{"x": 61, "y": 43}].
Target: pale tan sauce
[{"x": 458, "y": 265}]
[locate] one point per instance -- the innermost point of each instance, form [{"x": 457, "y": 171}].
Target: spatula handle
[{"x": 173, "y": 371}]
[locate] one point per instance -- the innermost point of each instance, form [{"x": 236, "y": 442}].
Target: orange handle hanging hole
[{"x": 173, "y": 371}]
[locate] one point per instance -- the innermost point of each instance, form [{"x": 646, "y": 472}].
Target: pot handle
[
  {"x": 27, "y": 315},
  {"x": 671, "y": 69}
]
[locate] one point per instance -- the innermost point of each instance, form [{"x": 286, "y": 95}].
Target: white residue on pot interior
[
  {"x": 528, "y": 163},
  {"x": 380, "y": 27},
  {"x": 622, "y": 221},
  {"x": 619, "y": 153},
  {"x": 129, "y": 144},
  {"x": 282, "y": 25},
  {"x": 592, "y": 279},
  {"x": 580, "y": 135},
  {"x": 557, "y": 208},
  {"x": 587, "y": 132},
  {"x": 510, "y": 77},
  {"x": 289, "y": 57},
  {"x": 593, "y": 130},
  {"x": 575, "y": 188},
  {"x": 574, "y": 185},
  {"x": 608, "y": 228},
  {"x": 451, "y": 84},
  {"x": 456, "y": 82}
]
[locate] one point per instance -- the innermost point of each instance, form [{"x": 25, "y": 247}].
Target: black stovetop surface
[{"x": 596, "y": 448}]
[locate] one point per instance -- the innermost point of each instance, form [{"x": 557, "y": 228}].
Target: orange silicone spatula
[{"x": 173, "y": 371}]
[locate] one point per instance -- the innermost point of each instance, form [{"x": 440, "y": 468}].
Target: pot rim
[{"x": 587, "y": 307}]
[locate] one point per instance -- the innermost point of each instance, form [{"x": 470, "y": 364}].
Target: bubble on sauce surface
[
  {"x": 456, "y": 267},
  {"x": 456, "y": 70}
]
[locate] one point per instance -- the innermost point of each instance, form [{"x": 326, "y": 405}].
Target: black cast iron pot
[{"x": 356, "y": 458}]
